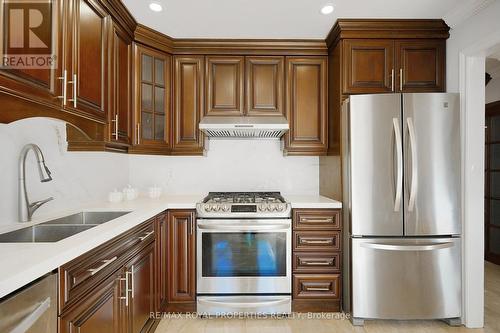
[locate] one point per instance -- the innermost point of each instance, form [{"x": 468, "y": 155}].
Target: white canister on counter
[
  {"x": 130, "y": 193},
  {"x": 115, "y": 196},
  {"x": 154, "y": 192}
]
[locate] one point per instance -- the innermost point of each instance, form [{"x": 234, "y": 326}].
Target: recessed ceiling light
[
  {"x": 327, "y": 9},
  {"x": 155, "y": 7}
]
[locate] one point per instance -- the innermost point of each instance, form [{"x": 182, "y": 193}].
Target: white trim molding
[{"x": 465, "y": 10}]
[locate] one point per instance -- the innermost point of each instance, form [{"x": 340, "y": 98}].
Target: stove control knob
[
  {"x": 216, "y": 208},
  {"x": 273, "y": 207},
  {"x": 225, "y": 208},
  {"x": 281, "y": 207},
  {"x": 206, "y": 208},
  {"x": 262, "y": 207}
]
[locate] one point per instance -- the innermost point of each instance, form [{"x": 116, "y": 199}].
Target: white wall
[
  {"x": 465, "y": 35},
  {"x": 77, "y": 177},
  {"x": 493, "y": 90},
  {"x": 230, "y": 165}
]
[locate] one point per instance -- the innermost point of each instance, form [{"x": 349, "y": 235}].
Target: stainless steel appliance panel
[
  {"x": 217, "y": 305},
  {"x": 431, "y": 132},
  {"x": 376, "y": 165},
  {"x": 406, "y": 278},
  {"x": 31, "y": 310}
]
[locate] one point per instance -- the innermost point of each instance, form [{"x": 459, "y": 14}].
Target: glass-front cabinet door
[{"x": 152, "y": 116}]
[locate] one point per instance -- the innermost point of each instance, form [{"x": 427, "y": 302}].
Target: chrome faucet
[{"x": 26, "y": 209}]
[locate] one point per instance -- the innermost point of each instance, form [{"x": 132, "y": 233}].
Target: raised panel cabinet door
[
  {"x": 161, "y": 233},
  {"x": 188, "y": 104},
  {"x": 182, "y": 256},
  {"x": 225, "y": 85},
  {"x": 306, "y": 89},
  {"x": 265, "y": 78},
  {"x": 421, "y": 65},
  {"x": 100, "y": 312},
  {"x": 39, "y": 78},
  {"x": 141, "y": 270},
  {"x": 368, "y": 66},
  {"x": 88, "y": 57},
  {"x": 152, "y": 100},
  {"x": 120, "y": 119}
]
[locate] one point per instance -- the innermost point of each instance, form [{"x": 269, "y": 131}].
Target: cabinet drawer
[
  {"x": 304, "y": 262},
  {"x": 316, "y": 241},
  {"x": 80, "y": 275},
  {"x": 316, "y": 219},
  {"x": 316, "y": 286}
]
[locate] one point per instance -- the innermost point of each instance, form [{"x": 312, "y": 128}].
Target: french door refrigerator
[{"x": 402, "y": 204}]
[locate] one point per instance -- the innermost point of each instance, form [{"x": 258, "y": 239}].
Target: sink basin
[{"x": 57, "y": 229}]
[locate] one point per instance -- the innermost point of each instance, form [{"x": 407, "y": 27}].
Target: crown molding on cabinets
[
  {"x": 387, "y": 28},
  {"x": 467, "y": 9}
]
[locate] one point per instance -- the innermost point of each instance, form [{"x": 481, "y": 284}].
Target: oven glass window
[{"x": 243, "y": 254}]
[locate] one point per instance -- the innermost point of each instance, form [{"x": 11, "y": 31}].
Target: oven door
[{"x": 243, "y": 256}]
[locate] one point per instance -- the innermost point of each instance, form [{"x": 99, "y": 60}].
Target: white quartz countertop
[{"x": 22, "y": 263}]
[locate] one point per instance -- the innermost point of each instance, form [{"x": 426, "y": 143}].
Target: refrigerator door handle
[
  {"x": 414, "y": 172},
  {"x": 399, "y": 152},
  {"x": 405, "y": 247}
]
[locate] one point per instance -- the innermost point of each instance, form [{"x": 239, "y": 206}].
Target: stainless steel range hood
[{"x": 244, "y": 127}]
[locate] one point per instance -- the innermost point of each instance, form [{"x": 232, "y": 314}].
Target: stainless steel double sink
[{"x": 57, "y": 229}]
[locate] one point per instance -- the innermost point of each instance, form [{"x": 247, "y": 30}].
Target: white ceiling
[{"x": 273, "y": 18}]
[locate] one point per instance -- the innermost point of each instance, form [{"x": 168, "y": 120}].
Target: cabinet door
[
  {"x": 88, "y": 57},
  {"x": 188, "y": 104},
  {"x": 306, "y": 88},
  {"x": 37, "y": 79},
  {"x": 264, "y": 85},
  {"x": 121, "y": 82},
  {"x": 152, "y": 118},
  {"x": 99, "y": 312},
  {"x": 161, "y": 233},
  {"x": 141, "y": 270},
  {"x": 225, "y": 79},
  {"x": 182, "y": 256},
  {"x": 421, "y": 65},
  {"x": 368, "y": 66}
]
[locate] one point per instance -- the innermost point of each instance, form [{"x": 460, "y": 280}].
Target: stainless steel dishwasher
[{"x": 33, "y": 309}]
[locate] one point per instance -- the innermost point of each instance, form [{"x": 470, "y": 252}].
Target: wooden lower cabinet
[
  {"x": 316, "y": 260},
  {"x": 181, "y": 260}
]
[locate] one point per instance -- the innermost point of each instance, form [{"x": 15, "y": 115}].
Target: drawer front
[
  {"x": 316, "y": 219},
  {"x": 304, "y": 262},
  {"x": 310, "y": 286},
  {"x": 316, "y": 241},
  {"x": 83, "y": 273}
]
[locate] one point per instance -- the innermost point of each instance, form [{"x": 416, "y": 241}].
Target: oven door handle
[
  {"x": 244, "y": 304},
  {"x": 244, "y": 228}
]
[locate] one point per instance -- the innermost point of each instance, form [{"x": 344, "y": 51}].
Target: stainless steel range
[{"x": 244, "y": 253}]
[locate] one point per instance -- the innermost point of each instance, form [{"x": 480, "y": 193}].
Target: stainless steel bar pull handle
[
  {"x": 126, "y": 288},
  {"x": 321, "y": 263},
  {"x": 138, "y": 132},
  {"x": 400, "y": 79},
  {"x": 64, "y": 79},
  {"x": 316, "y": 220},
  {"x": 146, "y": 235},
  {"x": 74, "y": 82},
  {"x": 132, "y": 282},
  {"x": 32, "y": 318},
  {"x": 318, "y": 241},
  {"x": 115, "y": 134},
  {"x": 94, "y": 271},
  {"x": 399, "y": 158},
  {"x": 317, "y": 288},
  {"x": 414, "y": 166},
  {"x": 392, "y": 79}
]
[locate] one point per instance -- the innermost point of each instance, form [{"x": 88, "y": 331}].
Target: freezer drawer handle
[
  {"x": 403, "y": 247},
  {"x": 32, "y": 318},
  {"x": 414, "y": 171},
  {"x": 399, "y": 152}
]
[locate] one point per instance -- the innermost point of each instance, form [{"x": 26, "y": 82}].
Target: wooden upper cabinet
[
  {"x": 45, "y": 42},
  {"x": 306, "y": 88},
  {"x": 182, "y": 256},
  {"x": 120, "y": 115},
  {"x": 264, "y": 86},
  {"x": 152, "y": 101},
  {"x": 87, "y": 57},
  {"x": 421, "y": 65},
  {"x": 225, "y": 86},
  {"x": 188, "y": 105},
  {"x": 368, "y": 66}
]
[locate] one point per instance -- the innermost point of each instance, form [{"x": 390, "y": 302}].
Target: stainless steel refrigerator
[{"x": 402, "y": 205}]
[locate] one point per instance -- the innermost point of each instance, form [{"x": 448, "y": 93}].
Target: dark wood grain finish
[
  {"x": 316, "y": 262},
  {"x": 224, "y": 86},
  {"x": 421, "y": 65},
  {"x": 316, "y": 219},
  {"x": 306, "y": 89},
  {"x": 317, "y": 286},
  {"x": 188, "y": 105},
  {"x": 182, "y": 256},
  {"x": 265, "y": 80},
  {"x": 161, "y": 232}
]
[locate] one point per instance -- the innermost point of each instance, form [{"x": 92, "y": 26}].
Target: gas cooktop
[{"x": 243, "y": 204}]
